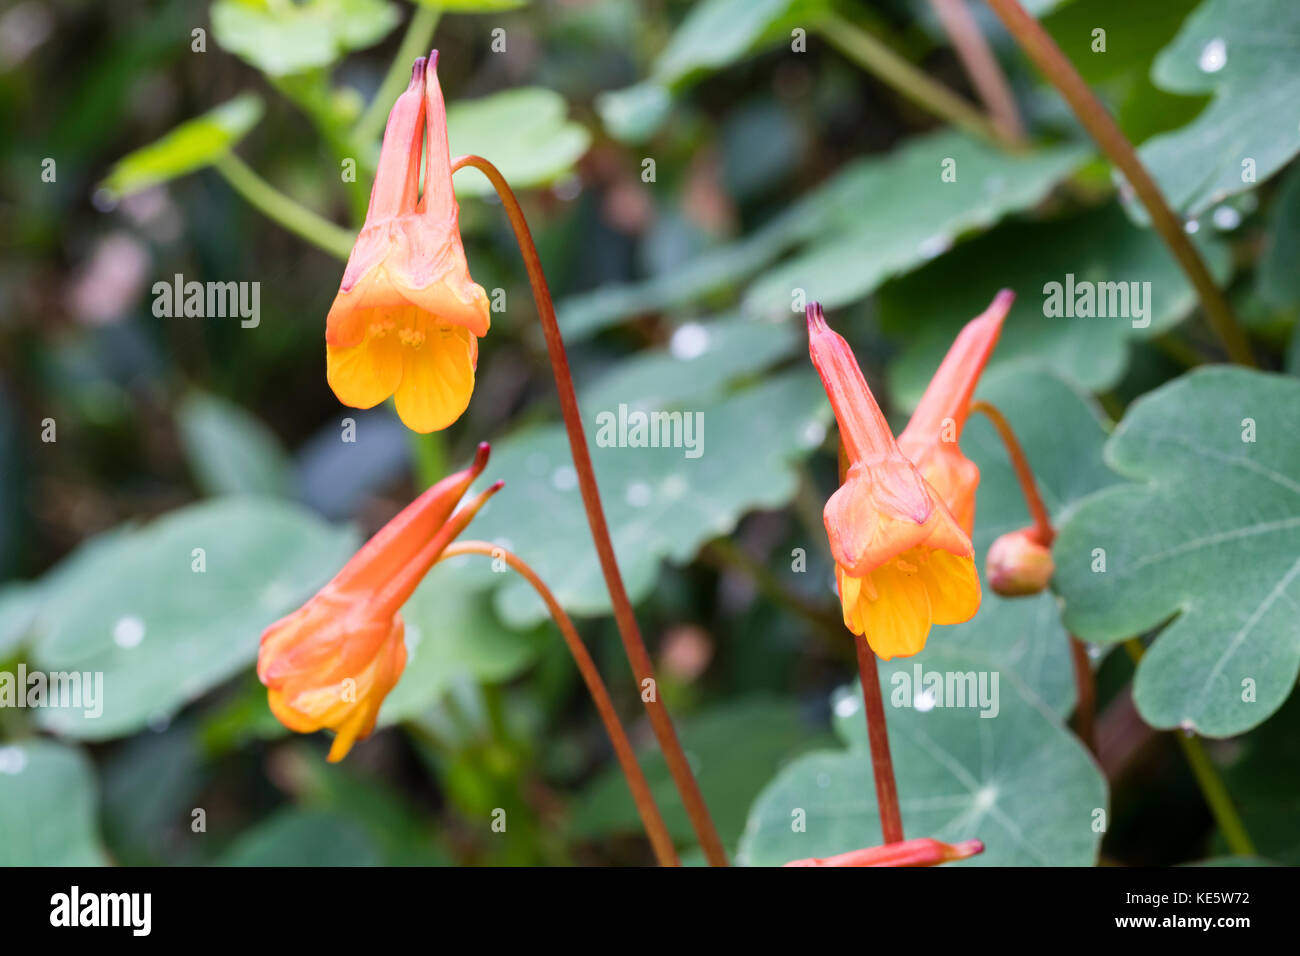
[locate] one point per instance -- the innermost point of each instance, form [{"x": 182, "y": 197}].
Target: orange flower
[
  {"x": 407, "y": 317},
  {"x": 331, "y": 662},
  {"x": 902, "y": 560},
  {"x": 930, "y": 438},
  {"x": 922, "y": 852}
]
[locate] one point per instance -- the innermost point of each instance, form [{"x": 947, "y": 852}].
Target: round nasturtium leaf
[
  {"x": 158, "y": 615},
  {"x": 1205, "y": 536},
  {"x": 48, "y": 799},
  {"x": 1001, "y": 769}
]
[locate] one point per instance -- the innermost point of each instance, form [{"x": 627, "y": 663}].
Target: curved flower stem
[
  {"x": 882, "y": 763},
  {"x": 637, "y": 655},
  {"x": 274, "y": 204},
  {"x": 1208, "y": 779},
  {"x": 982, "y": 67},
  {"x": 418, "y": 37},
  {"x": 873, "y": 706},
  {"x": 1024, "y": 474},
  {"x": 655, "y": 827},
  {"x": 1085, "y": 684},
  {"x": 898, "y": 73},
  {"x": 1058, "y": 69}
]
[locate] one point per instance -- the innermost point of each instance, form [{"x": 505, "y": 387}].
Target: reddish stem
[
  {"x": 646, "y": 807},
  {"x": 1085, "y": 709},
  {"x": 1024, "y": 474},
  {"x": 882, "y": 765},
  {"x": 633, "y": 645},
  {"x": 1084, "y": 681},
  {"x": 982, "y": 67},
  {"x": 1058, "y": 69}
]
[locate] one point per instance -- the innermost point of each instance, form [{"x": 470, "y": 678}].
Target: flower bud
[{"x": 1018, "y": 564}]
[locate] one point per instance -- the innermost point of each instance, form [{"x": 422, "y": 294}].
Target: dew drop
[
  {"x": 674, "y": 487},
  {"x": 1214, "y": 56},
  {"x": 846, "y": 706},
  {"x": 564, "y": 478},
  {"x": 690, "y": 341},
  {"x": 639, "y": 494},
  {"x": 12, "y": 760},
  {"x": 814, "y": 433},
  {"x": 128, "y": 632},
  {"x": 1226, "y": 218},
  {"x": 924, "y": 701},
  {"x": 1191, "y": 227}
]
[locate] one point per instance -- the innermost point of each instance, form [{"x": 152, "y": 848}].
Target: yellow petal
[
  {"x": 437, "y": 379},
  {"x": 953, "y": 584},
  {"x": 364, "y": 375},
  {"x": 897, "y": 622}
]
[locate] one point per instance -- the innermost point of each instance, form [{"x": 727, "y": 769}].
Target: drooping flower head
[
  {"x": 407, "y": 317},
  {"x": 931, "y": 437},
  {"x": 330, "y": 663},
  {"x": 922, "y": 852},
  {"x": 902, "y": 561}
]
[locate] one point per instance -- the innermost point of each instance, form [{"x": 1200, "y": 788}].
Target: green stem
[
  {"x": 895, "y": 71},
  {"x": 416, "y": 42},
  {"x": 1207, "y": 778},
  {"x": 274, "y": 204}
]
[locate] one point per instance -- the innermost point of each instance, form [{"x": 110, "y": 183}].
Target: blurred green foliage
[{"x": 693, "y": 172}]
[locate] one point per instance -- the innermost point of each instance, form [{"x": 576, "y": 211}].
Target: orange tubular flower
[
  {"x": 930, "y": 438},
  {"x": 922, "y": 852},
  {"x": 902, "y": 560},
  {"x": 407, "y": 317},
  {"x": 331, "y": 662}
]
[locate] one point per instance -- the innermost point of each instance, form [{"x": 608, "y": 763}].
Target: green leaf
[
  {"x": 304, "y": 838},
  {"x": 1247, "y": 53},
  {"x": 897, "y": 213},
  {"x": 1018, "y": 780},
  {"x": 284, "y": 38},
  {"x": 1062, "y": 435},
  {"x": 452, "y": 634},
  {"x": 229, "y": 450},
  {"x": 713, "y": 34},
  {"x": 877, "y": 217},
  {"x": 1277, "y": 276},
  {"x": 192, "y": 145},
  {"x": 661, "y": 503},
  {"x": 925, "y": 309},
  {"x": 525, "y": 132},
  {"x": 48, "y": 802},
  {"x": 17, "y": 611},
  {"x": 163, "y": 633},
  {"x": 733, "y": 748},
  {"x": 1208, "y": 535}
]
